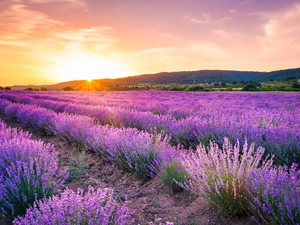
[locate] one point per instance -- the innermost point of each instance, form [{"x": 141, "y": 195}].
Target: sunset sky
[{"x": 49, "y": 41}]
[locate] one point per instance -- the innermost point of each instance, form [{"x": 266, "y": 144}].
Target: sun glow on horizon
[{"x": 87, "y": 66}]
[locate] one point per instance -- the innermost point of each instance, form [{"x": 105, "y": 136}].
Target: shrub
[
  {"x": 172, "y": 174},
  {"x": 38, "y": 118},
  {"x": 94, "y": 207},
  {"x": 295, "y": 85},
  {"x": 3, "y": 104},
  {"x": 218, "y": 174},
  {"x": 28, "y": 171},
  {"x": 140, "y": 152},
  {"x": 249, "y": 87},
  {"x": 11, "y": 111},
  {"x": 275, "y": 195},
  {"x": 71, "y": 127},
  {"x": 77, "y": 167}
]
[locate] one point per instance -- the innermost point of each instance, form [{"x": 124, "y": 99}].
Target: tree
[
  {"x": 68, "y": 88},
  {"x": 249, "y": 87},
  {"x": 44, "y": 89},
  {"x": 295, "y": 85},
  {"x": 7, "y": 88},
  {"x": 194, "y": 88}
]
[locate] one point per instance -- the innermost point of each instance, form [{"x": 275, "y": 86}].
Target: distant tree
[
  {"x": 223, "y": 84},
  {"x": 249, "y": 87},
  {"x": 234, "y": 82},
  {"x": 290, "y": 78},
  {"x": 68, "y": 88},
  {"x": 295, "y": 85},
  {"x": 194, "y": 88},
  {"x": 7, "y": 88},
  {"x": 1, "y": 88},
  {"x": 44, "y": 89},
  {"x": 28, "y": 89},
  {"x": 216, "y": 84},
  {"x": 176, "y": 88}
]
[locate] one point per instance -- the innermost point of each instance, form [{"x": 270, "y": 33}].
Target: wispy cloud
[
  {"x": 95, "y": 38},
  {"x": 185, "y": 57},
  {"x": 206, "y": 19},
  {"x": 18, "y": 18},
  {"x": 70, "y": 3}
]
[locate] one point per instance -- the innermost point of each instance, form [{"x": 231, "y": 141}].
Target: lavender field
[{"x": 240, "y": 151}]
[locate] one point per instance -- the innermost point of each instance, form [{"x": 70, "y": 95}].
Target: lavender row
[
  {"x": 29, "y": 171},
  {"x": 268, "y": 120},
  {"x": 133, "y": 150},
  {"x": 171, "y": 103},
  {"x": 168, "y": 103}
]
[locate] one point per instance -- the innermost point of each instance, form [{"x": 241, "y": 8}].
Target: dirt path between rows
[{"x": 154, "y": 203}]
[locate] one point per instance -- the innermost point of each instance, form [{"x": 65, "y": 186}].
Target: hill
[{"x": 174, "y": 78}]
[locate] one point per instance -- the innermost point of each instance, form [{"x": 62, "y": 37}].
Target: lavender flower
[
  {"x": 275, "y": 195},
  {"x": 219, "y": 174},
  {"x": 93, "y": 208},
  {"x": 28, "y": 171}
]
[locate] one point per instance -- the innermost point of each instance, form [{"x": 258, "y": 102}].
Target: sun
[{"x": 87, "y": 66}]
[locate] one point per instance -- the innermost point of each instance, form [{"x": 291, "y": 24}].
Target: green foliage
[
  {"x": 142, "y": 164},
  {"x": 31, "y": 89},
  {"x": 249, "y": 87},
  {"x": 173, "y": 173},
  {"x": 176, "y": 88},
  {"x": 295, "y": 85},
  {"x": 194, "y": 88},
  {"x": 77, "y": 167}
]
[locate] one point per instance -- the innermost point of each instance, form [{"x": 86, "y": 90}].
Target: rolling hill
[{"x": 170, "y": 78}]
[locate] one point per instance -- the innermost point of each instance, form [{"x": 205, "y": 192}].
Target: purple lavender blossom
[
  {"x": 219, "y": 174},
  {"x": 94, "y": 207},
  {"x": 275, "y": 195},
  {"x": 28, "y": 171}
]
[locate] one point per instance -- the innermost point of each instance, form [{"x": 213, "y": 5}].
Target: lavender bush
[
  {"x": 28, "y": 171},
  {"x": 96, "y": 207},
  {"x": 219, "y": 174},
  {"x": 37, "y": 118},
  {"x": 11, "y": 111},
  {"x": 275, "y": 195}
]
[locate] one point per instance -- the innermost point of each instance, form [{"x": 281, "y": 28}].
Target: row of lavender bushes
[
  {"x": 31, "y": 179},
  {"x": 231, "y": 181},
  {"x": 133, "y": 150},
  {"x": 275, "y": 127}
]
